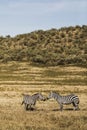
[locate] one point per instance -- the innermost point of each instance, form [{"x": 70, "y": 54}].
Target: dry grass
[{"x": 18, "y": 78}]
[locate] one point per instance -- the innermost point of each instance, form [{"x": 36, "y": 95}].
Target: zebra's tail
[
  {"x": 22, "y": 103},
  {"x": 77, "y": 100}
]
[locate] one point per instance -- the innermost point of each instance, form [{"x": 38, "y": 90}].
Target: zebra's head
[{"x": 40, "y": 96}]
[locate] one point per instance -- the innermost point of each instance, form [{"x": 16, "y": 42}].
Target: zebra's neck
[
  {"x": 35, "y": 96},
  {"x": 55, "y": 96}
]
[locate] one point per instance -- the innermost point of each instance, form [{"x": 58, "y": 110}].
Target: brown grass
[{"x": 46, "y": 116}]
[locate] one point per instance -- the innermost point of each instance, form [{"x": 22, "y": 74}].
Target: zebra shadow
[
  {"x": 30, "y": 109},
  {"x": 55, "y": 110},
  {"x": 66, "y": 109},
  {"x": 35, "y": 109},
  {"x": 69, "y": 109}
]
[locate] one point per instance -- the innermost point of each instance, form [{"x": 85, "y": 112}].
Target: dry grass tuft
[{"x": 19, "y": 78}]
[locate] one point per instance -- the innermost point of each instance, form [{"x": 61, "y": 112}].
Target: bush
[{"x": 67, "y": 45}]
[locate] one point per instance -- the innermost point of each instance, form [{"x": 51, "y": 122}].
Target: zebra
[
  {"x": 69, "y": 99},
  {"x": 30, "y": 100}
]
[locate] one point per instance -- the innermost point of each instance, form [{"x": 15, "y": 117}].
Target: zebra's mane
[
  {"x": 35, "y": 94},
  {"x": 25, "y": 94},
  {"x": 56, "y": 93}
]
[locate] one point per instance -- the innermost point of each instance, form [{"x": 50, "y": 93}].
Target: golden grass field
[{"x": 17, "y": 78}]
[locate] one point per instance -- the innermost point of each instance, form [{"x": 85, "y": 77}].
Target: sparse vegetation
[{"x": 63, "y": 46}]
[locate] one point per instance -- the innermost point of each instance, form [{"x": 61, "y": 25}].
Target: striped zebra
[
  {"x": 69, "y": 99},
  {"x": 30, "y": 100}
]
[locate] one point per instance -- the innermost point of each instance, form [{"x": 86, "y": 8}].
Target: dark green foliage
[{"x": 67, "y": 45}]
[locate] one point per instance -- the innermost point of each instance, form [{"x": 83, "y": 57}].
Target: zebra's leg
[
  {"x": 32, "y": 107},
  {"x": 22, "y": 103},
  {"x": 29, "y": 107},
  {"x": 76, "y": 107},
  {"x": 61, "y": 107},
  {"x": 26, "y": 106}
]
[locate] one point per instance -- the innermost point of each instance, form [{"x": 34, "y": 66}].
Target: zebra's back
[
  {"x": 68, "y": 99},
  {"x": 29, "y": 100}
]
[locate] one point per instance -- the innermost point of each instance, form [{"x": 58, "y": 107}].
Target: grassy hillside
[{"x": 64, "y": 46}]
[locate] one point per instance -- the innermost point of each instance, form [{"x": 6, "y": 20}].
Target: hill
[{"x": 64, "y": 46}]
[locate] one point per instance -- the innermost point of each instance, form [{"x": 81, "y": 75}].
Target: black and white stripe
[
  {"x": 69, "y": 99},
  {"x": 30, "y": 100}
]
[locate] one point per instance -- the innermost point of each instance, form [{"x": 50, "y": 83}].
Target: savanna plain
[{"x": 17, "y": 78}]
